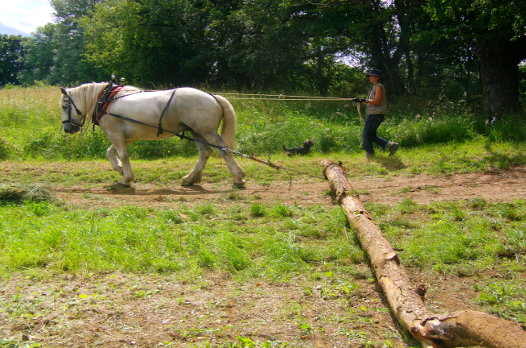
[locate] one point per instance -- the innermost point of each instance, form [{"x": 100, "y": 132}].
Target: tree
[
  {"x": 70, "y": 65},
  {"x": 267, "y": 50},
  {"x": 240, "y": 44},
  {"x": 39, "y": 55},
  {"x": 11, "y": 54},
  {"x": 497, "y": 31},
  {"x": 366, "y": 29},
  {"x": 151, "y": 42}
]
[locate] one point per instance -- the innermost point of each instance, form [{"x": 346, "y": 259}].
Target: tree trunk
[
  {"x": 499, "y": 73},
  {"x": 406, "y": 300}
]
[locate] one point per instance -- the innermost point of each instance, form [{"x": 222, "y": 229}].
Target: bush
[
  {"x": 86, "y": 145},
  {"x": 510, "y": 128}
]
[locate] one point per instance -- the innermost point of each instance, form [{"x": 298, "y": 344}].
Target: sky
[{"x": 23, "y": 17}]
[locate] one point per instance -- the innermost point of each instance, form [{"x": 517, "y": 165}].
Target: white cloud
[{"x": 25, "y": 15}]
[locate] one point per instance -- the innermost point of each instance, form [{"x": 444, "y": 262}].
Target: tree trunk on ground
[{"x": 457, "y": 329}]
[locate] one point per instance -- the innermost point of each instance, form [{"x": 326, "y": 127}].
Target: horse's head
[{"x": 72, "y": 118}]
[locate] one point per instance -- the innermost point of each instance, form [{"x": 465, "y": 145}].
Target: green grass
[
  {"x": 31, "y": 128},
  {"x": 276, "y": 242},
  {"x": 472, "y": 157},
  {"x": 471, "y": 238},
  {"x": 185, "y": 241},
  {"x": 473, "y": 232}
]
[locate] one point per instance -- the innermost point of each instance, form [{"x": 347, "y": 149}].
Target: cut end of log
[{"x": 468, "y": 327}]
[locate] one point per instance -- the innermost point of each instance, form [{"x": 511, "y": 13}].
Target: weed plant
[{"x": 31, "y": 128}]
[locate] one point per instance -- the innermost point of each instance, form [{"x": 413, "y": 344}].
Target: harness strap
[
  {"x": 159, "y": 126},
  {"x": 181, "y": 135}
]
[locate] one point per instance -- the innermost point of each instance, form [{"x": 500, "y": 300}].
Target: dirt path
[{"x": 492, "y": 186}]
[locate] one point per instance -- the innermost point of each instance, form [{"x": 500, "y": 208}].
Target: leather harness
[
  {"x": 108, "y": 95},
  {"x": 103, "y": 101}
]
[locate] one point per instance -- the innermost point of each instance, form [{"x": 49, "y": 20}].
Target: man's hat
[{"x": 374, "y": 72}]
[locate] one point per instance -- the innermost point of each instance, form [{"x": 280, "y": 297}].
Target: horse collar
[{"x": 104, "y": 99}]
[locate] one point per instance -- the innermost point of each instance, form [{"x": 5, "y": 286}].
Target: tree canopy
[{"x": 468, "y": 49}]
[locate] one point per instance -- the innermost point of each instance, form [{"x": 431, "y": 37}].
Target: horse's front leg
[
  {"x": 121, "y": 148},
  {"x": 111, "y": 155}
]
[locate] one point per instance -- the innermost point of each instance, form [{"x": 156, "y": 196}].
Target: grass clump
[
  {"x": 7, "y": 150},
  {"x": 504, "y": 298},
  {"x": 11, "y": 194}
]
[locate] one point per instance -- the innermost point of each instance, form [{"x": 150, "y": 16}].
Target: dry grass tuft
[{"x": 11, "y": 194}]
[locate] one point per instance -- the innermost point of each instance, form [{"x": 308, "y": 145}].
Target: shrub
[{"x": 508, "y": 128}]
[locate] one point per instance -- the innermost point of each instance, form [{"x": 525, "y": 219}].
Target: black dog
[{"x": 303, "y": 150}]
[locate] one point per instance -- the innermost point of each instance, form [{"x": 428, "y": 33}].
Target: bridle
[{"x": 71, "y": 104}]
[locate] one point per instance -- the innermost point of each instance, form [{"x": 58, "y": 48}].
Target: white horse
[{"x": 153, "y": 115}]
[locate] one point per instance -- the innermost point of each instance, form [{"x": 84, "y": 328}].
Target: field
[{"x": 84, "y": 263}]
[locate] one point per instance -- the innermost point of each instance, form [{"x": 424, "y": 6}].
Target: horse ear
[{"x": 63, "y": 90}]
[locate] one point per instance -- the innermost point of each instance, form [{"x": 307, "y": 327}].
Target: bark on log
[{"x": 458, "y": 329}]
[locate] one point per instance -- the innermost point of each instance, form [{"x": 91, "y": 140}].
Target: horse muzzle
[{"x": 71, "y": 128}]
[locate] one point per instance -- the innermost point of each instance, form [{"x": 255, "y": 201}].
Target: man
[{"x": 375, "y": 108}]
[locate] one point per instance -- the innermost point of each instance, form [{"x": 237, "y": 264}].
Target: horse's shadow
[{"x": 119, "y": 189}]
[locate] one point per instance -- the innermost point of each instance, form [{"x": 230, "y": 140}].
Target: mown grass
[
  {"x": 471, "y": 157},
  {"x": 276, "y": 242},
  {"x": 270, "y": 243},
  {"x": 470, "y": 238}
]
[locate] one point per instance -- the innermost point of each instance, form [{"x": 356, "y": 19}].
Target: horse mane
[{"x": 87, "y": 94}]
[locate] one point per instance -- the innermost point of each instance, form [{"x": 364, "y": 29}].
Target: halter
[{"x": 70, "y": 103}]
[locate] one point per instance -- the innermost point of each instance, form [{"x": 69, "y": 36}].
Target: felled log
[{"x": 462, "y": 328}]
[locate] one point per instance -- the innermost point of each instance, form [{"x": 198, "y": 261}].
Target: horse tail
[{"x": 228, "y": 128}]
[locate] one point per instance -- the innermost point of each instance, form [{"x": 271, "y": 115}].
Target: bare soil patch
[
  {"x": 492, "y": 185},
  {"x": 122, "y": 310}
]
